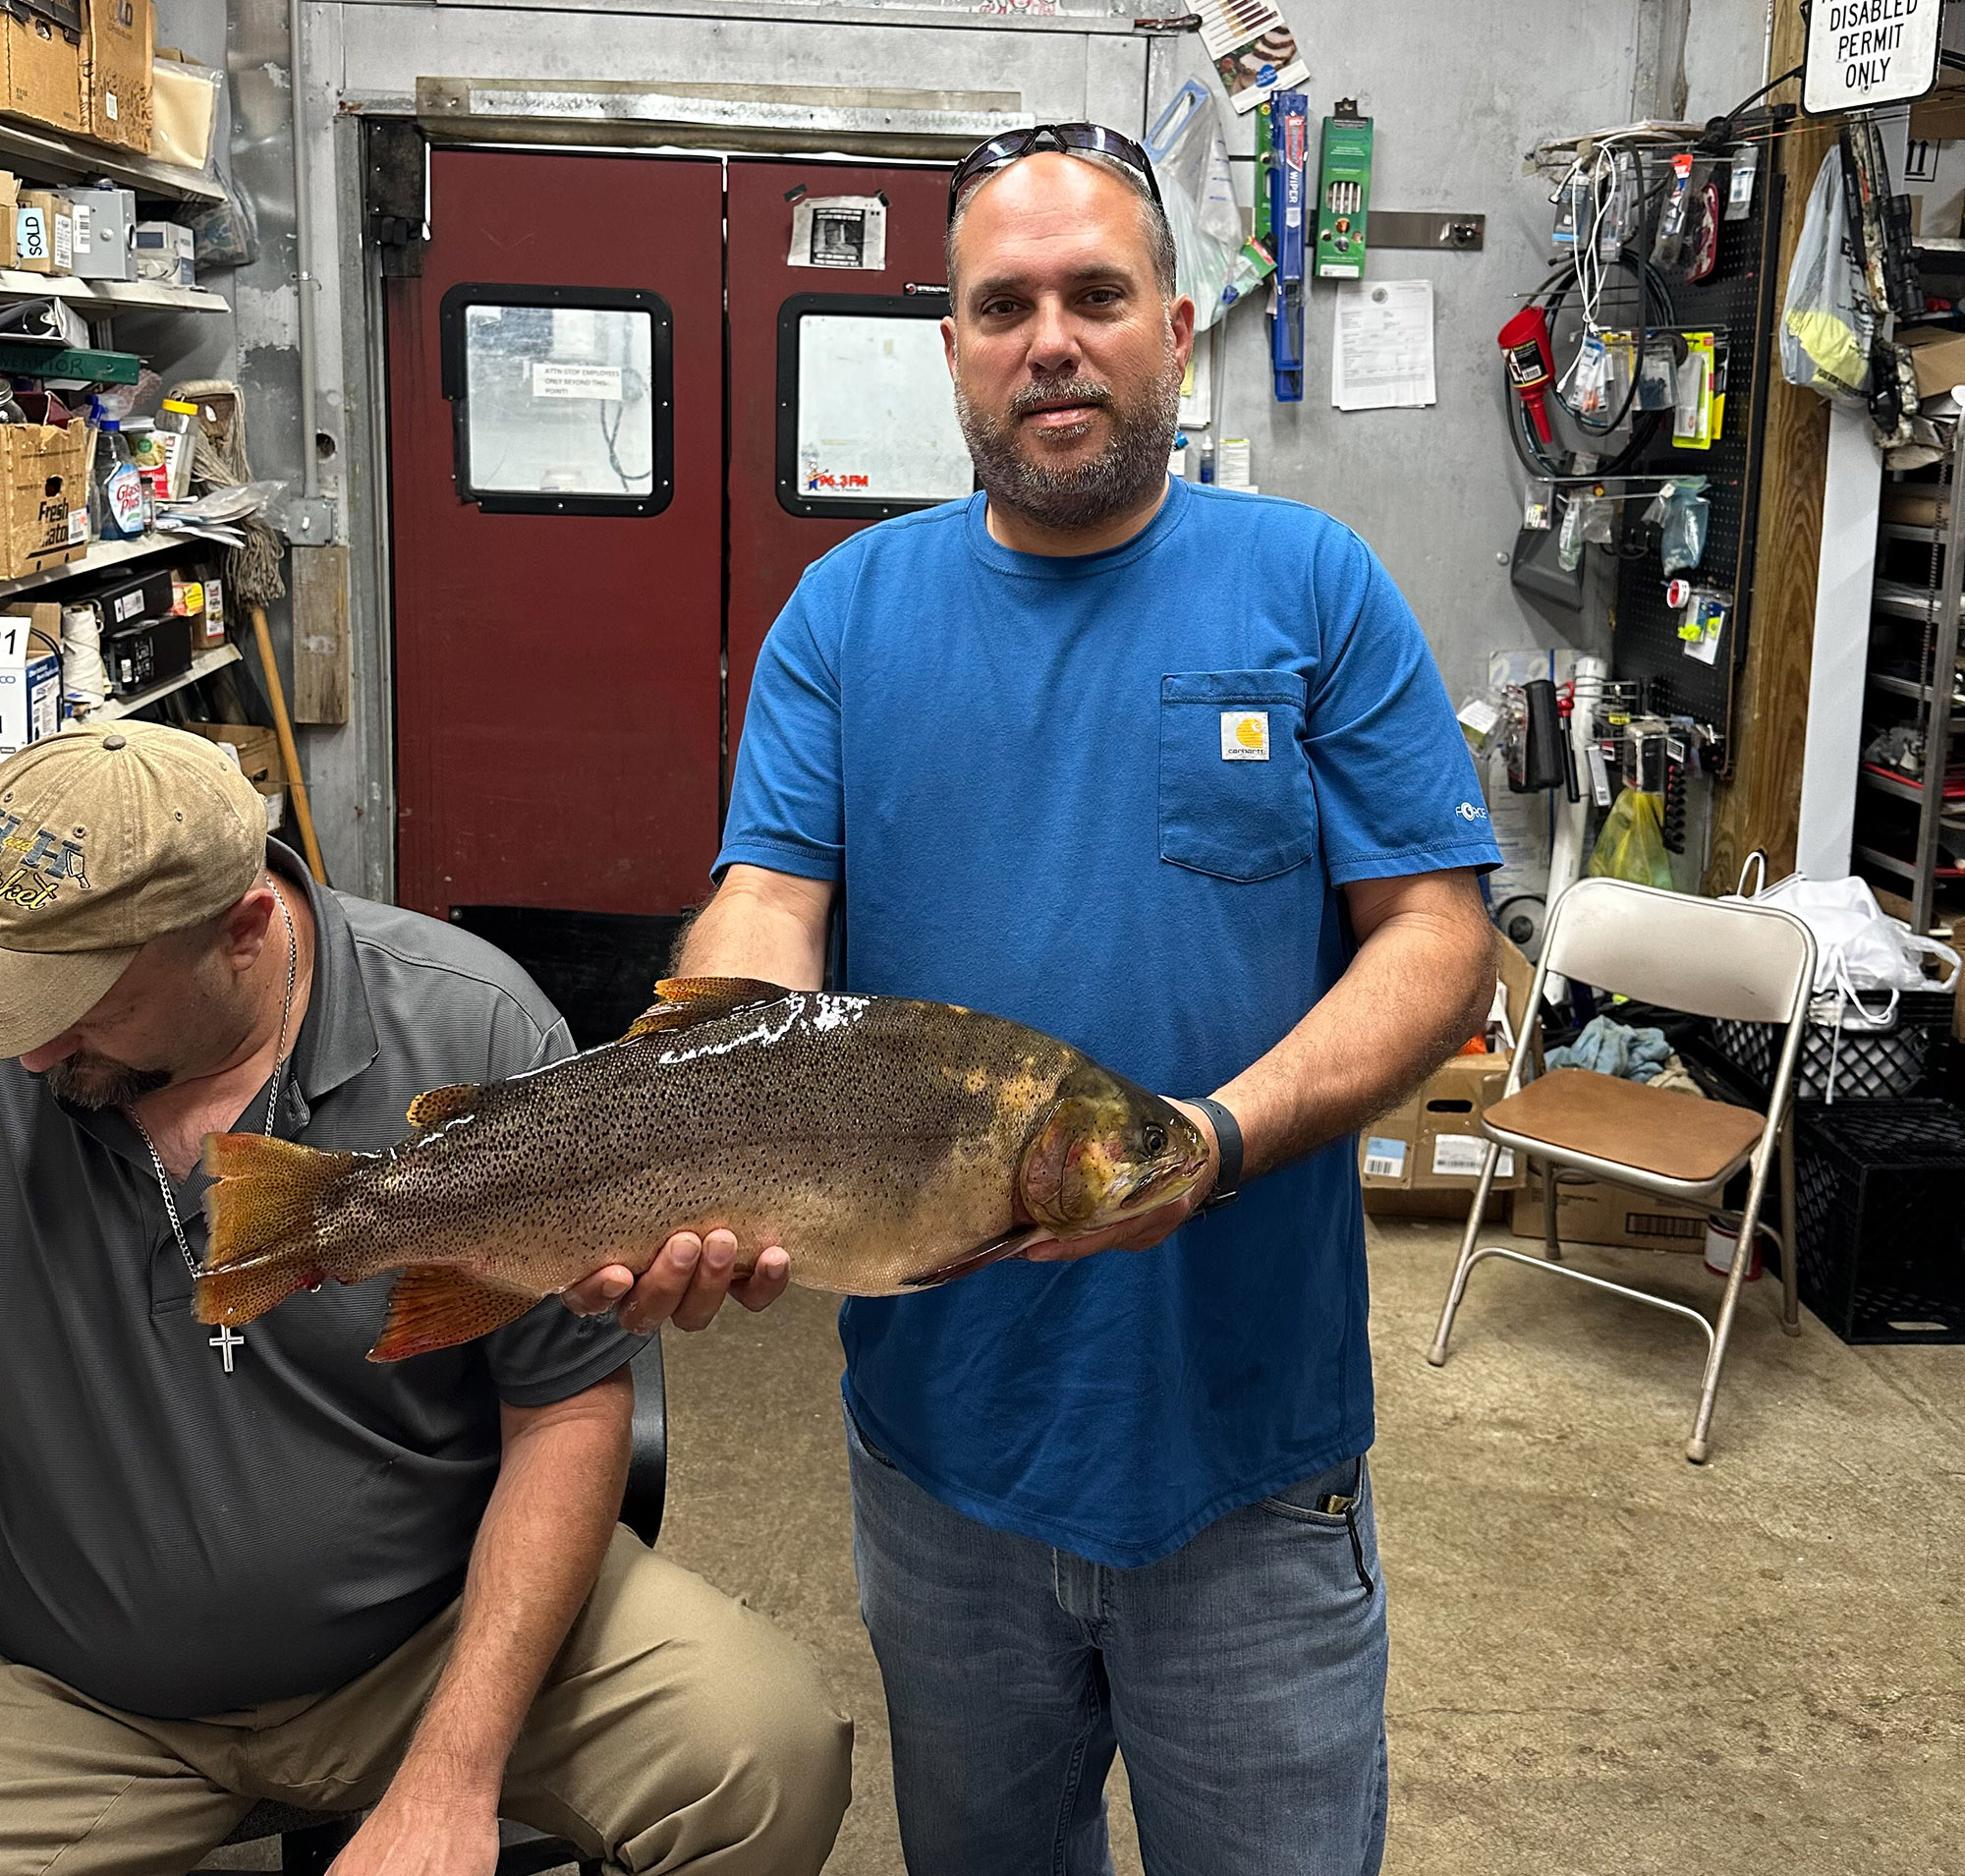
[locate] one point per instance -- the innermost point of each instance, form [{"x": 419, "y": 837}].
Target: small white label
[
  {"x": 77, "y": 527},
  {"x": 109, "y": 105},
  {"x": 81, "y": 215},
  {"x": 553, "y": 378},
  {"x": 1245, "y": 736},
  {"x": 1384, "y": 1159},
  {"x": 64, "y": 244},
  {"x": 128, "y": 604},
  {"x": 31, "y": 234},
  {"x": 1462, "y": 1154}
]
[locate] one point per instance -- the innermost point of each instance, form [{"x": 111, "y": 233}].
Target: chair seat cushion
[{"x": 1676, "y": 1136}]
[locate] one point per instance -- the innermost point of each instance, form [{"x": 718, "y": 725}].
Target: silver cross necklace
[{"x": 226, "y": 1340}]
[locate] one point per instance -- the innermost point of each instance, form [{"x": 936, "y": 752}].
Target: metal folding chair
[{"x": 1745, "y": 962}]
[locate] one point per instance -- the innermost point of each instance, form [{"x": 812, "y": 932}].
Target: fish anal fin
[
  {"x": 434, "y": 1306},
  {"x": 990, "y": 1251},
  {"x": 434, "y": 1105},
  {"x": 685, "y": 1000}
]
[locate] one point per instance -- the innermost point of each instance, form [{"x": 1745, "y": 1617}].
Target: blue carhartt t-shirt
[{"x": 1114, "y": 797}]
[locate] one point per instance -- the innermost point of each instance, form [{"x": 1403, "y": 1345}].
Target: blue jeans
[{"x": 1243, "y": 1676}]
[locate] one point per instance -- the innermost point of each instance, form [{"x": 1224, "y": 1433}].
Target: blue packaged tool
[{"x": 1290, "y": 195}]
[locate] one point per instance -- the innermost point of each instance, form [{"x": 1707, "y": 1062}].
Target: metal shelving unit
[
  {"x": 103, "y": 555},
  {"x": 108, "y": 296},
  {"x": 1931, "y": 694},
  {"x": 71, "y": 160}
]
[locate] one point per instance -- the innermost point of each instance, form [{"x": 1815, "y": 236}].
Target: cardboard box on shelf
[
  {"x": 44, "y": 498},
  {"x": 165, "y": 252},
  {"x": 201, "y": 602},
  {"x": 1594, "y": 1212},
  {"x": 257, "y": 749},
  {"x": 30, "y": 676},
  {"x": 1433, "y": 1141},
  {"x": 43, "y": 46},
  {"x": 116, "y": 73},
  {"x": 105, "y": 228},
  {"x": 1936, "y": 356},
  {"x": 10, "y": 209},
  {"x": 44, "y": 233}
]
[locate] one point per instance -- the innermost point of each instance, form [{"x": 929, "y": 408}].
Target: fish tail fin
[{"x": 262, "y": 1212}]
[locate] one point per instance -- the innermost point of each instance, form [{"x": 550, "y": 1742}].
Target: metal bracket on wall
[
  {"x": 306, "y": 521},
  {"x": 396, "y": 194},
  {"x": 1445, "y": 228}
]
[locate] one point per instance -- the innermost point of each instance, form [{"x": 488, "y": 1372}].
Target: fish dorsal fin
[
  {"x": 435, "y": 1105},
  {"x": 435, "y": 1307},
  {"x": 699, "y": 1000}
]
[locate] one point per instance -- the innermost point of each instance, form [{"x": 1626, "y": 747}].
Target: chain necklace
[{"x": 227, "y": 1338}]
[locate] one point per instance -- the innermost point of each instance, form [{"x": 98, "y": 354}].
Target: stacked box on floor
[{"x": 1881, "y": 1189}]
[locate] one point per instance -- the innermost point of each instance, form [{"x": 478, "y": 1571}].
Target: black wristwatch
[{"x": 1228, "y": 1142}]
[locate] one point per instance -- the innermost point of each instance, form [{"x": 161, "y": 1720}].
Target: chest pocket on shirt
[{"x": 1235, "y": 795}]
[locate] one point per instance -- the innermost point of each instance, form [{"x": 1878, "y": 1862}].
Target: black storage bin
[
  {"x": 1886, "y": 1064},
  {"x": 1881, "y": 1189}
]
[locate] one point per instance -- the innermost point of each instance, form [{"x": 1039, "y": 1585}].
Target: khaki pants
[{"x": 678, "y": 1730}]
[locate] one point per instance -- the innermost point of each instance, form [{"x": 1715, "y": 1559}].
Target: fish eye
[{"x": 1153, "y": 1137}]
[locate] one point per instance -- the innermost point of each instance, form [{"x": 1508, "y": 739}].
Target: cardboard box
[
  {"x": 166, "y": 251},
  {"x": 45, "y": 233},
  {"x": 43, "y": 65},
  {"x": 44, "y": 498},
  {"x": 203, "y": 602},
  {"x": 116, "y": 73},
  {"x": 1433, "y": 1141},
  {"x": 1594, "y": 1212},
  {"x": 257, "y": 749},
  {"x": 105, "y": 229},
  {"x": 30, "y": 676},
  {"x": 10, "y": 209},
  {"x": 1937, "y": 355}
]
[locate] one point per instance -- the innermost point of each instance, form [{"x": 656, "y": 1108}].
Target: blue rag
[{"x": 1609, "y": 1047}]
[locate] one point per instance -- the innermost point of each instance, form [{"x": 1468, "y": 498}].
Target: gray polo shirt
[{"x": 179, "y": 1541}]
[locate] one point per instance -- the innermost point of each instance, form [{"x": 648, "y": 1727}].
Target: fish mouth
[{"x": 1153, "y": 1186}]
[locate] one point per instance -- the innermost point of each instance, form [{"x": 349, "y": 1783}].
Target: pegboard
[{"x": 1738, "y": 298}]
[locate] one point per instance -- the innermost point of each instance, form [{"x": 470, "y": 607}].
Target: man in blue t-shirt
[{"x": 1168, "y": 773}]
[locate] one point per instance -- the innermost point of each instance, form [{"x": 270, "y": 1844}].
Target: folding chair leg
[
  {"x": 1551, "y": 1242},
  {"x": 1475, "y": 1212},
  {"x": 1699, "y": 1448},
  {"x": 1790, "y": 1231}
]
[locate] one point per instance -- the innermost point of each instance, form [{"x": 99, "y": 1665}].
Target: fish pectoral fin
[
  {"x": 699, "y": 999},
  {"x": 434, "y": 1306},
  {"x": 434, "y": 1105},
  {"x": 990, "y": 1251}
]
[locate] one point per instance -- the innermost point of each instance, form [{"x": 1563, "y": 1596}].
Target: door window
[
  {"x": 867, "y": 421},
  {"x": 560, "y": 398}
]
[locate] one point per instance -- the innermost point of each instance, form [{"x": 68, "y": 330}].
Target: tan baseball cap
[{"x": 111, "y": 835}]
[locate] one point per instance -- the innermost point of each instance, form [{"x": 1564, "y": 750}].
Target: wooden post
[{"x": 1760, "y": 806}]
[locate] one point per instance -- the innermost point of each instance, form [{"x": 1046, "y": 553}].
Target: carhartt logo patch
[{"x": 1245, "y": 736}]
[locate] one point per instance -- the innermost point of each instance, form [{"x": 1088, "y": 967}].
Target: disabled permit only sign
[{"x": 1861, "y": 53}]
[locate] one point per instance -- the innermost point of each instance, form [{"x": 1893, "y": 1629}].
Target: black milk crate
[
  {"x": 1870, "y": 1064},
  {"x": 1880, "y": 1186}
]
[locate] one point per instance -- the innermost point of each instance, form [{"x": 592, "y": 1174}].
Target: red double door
[{"x": 602, "y": 489}]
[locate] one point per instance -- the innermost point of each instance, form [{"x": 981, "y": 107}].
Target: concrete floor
[{"x": 1603, "y": 1659}]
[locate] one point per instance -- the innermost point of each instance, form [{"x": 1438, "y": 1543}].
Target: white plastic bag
[
  {"x": 1826, "y": 320},
  {"x": 1860, "y": 951},
  {"x": 1190, "y": 164}
]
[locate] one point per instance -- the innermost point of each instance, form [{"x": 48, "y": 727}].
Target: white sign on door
[{"x": 1863, "y": 53}]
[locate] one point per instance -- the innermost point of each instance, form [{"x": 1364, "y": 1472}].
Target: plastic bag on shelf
[{"x": 227, "y": 232}]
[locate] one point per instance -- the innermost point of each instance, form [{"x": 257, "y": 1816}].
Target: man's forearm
[
  {"x": 772, "y": 928},
  {"x": 1417, "y": 988},
  {"x": 535, "y": 1561}
]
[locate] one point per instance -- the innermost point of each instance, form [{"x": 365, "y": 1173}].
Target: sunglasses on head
[{"x": 1076, "y": 140}]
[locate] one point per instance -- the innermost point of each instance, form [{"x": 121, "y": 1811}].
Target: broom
[{"x": 251, "y": 571}]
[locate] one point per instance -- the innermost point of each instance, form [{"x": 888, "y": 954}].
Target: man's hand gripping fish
[{"x": 886, "y": 1144}]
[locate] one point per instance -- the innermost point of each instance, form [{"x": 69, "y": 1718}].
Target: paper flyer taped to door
[{"x": 839, "y": 231}]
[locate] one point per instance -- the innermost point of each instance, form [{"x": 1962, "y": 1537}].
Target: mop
[{"x": 251, "y": 570}]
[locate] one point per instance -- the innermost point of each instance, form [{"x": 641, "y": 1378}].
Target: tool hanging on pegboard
[{"x": 1290, "y": 129}]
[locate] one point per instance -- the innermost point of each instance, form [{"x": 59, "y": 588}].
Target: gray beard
[
  {"x": 1124, "y": 475},
  {"x": 98, "y": 1081}
]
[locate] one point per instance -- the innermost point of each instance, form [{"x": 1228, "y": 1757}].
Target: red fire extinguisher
[{"x": 1523, "y": 342}]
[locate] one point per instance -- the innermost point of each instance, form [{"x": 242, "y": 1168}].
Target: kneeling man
[{"x": 235, "y": 1568}]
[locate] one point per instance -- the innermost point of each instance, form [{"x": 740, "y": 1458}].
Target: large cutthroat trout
[{"x": 886, "y": 1144}]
